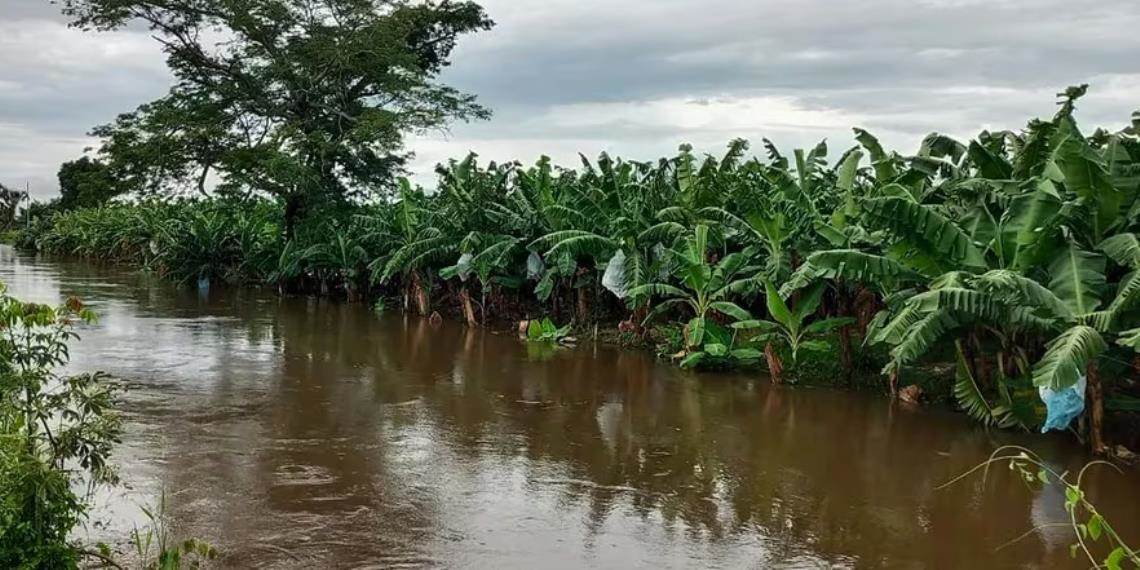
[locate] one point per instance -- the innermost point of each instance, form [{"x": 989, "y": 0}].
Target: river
[{"x": 303, "y": 433}]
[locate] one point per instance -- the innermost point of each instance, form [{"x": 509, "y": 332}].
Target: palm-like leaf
[
  {"x": 1077, "y": 278},
  {"x": 918, "y": 339},
  {"x": 971, "y": 399},
  {"x": 1122, "y": 248},
  {"x": 849, "y": 265},
  {"x": 924, "y": 228},
  {"x": 1066, "y": 357}
]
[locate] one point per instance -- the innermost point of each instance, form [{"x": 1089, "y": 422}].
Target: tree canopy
[
  {"x": 302, "y": 99},
  {"x": 85, "y": 183}
]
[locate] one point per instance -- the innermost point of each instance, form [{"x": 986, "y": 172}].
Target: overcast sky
[{"x": 639, "y": 77}]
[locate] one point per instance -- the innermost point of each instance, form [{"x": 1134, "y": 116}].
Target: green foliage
[
  {"x": 278, "y": 107},
  {"x": 720, "y": 349},
  {"x": 925, "y": 229},
  {"x": 545, "y": 330},
  {"x": 789, "y": 324},
  {"x": 1020, "y": 245},
  {"x": 157, "y": 549},
  {"x": 87, "y": 183},
  {"x": 971, "y": 400},
  {"x": 1067, "y": 356},
  {"x": 704, "y": 291},
  {"x": 55, "y": 431}
]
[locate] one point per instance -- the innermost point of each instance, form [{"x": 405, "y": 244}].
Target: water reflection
[{"x": 292, "y": 432}]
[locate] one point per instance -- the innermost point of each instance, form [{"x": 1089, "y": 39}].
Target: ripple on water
[
  {"x": 293, "y": 433},
  {"x": 294, "y": 474}
]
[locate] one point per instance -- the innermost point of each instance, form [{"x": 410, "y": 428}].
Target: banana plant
[
  {"x": 611, "y": 227},
  {"x": 201, "y": 247},
  {"x": 789, "y": 327},
  {"x": 340, "y": 258},
  {"x": 705, "y": 288},
  {"x": 415, "y": 243},
  {"x": 287, "y": 262}
]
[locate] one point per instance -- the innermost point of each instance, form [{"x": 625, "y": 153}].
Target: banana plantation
[{"x": 1010, "y": 261}]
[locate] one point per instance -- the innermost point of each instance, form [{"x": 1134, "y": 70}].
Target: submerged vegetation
[{"x": 1013, "y": 255}]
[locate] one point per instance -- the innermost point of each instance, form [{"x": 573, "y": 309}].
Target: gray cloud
[
  {"x": 641, "y": 76},
  {"x": 56, "y": 83}
]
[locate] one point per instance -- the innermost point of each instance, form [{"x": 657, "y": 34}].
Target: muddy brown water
[{"x": 301, "y": 433}]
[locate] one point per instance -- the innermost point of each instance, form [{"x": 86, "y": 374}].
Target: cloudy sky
[{"x": 639, "y": 77}]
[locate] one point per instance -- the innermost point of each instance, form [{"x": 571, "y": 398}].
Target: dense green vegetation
[
  {"x": 55, "y": 431},
  {"x": 1012, "y": 254},
  {"x": 304, "y": 101}
]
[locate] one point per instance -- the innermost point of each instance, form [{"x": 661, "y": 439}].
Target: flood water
[{"x": 298, "y": 433}]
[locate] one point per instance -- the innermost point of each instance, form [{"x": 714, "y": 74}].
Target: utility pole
[{"x": 28, "y": 208}]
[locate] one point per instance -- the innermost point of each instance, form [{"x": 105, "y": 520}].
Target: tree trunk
[
  {"x": 893, "y": 381},
  {"x": 866, "y": 305},
  {"x": 202, "y": 180},
  {"x": 775, "y": 367},
  {"x": 845, "y": 359},
  {"x": 294, "y": 205},
  {"x": 583, "y": 305},
  {"x": 981, "y": 363},
  {"x": 352, "y": 290},
  {"x": 468, "y": 310},
  {"x": 1094, "y": 395},
  {"x": 419, "y": 294},
  {"x": 632, "y": 325},
  {"x": 968, "y": 356}
]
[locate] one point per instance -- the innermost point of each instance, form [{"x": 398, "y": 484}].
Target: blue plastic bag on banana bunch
[{"x": 1063, "y": 405}]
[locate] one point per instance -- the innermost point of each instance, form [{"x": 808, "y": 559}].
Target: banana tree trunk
[
  {"x": 468, "y": 310},
  {"x": 632, "y": 325},
  {"x": 1094, "y": 395},
  {"x": 352, "y": 290},
  {"x": 866, "y": 305},
  {"x": 583, "y": 305},
  {"x": 775, "y": 366},
  {"x": 981, "y": 363},
  {"x": 419, "y": 294},
  {"x": 294, "y": 205},
  {"x": 845, "y": 358}
]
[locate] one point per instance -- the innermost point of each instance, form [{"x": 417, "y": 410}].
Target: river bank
[
  {"x": 929, "y": 385},
  {"x": 978, "y": 262}
]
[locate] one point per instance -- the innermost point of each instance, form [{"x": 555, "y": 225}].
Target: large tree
[
  {"x": 303, "y": 99},
  {"x": 84, "y": 183}
]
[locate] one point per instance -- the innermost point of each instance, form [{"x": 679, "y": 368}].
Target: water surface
[{"x": 301, "y": 433}]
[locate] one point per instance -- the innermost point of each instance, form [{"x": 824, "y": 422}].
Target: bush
[{"x": 54, "y": 431}]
